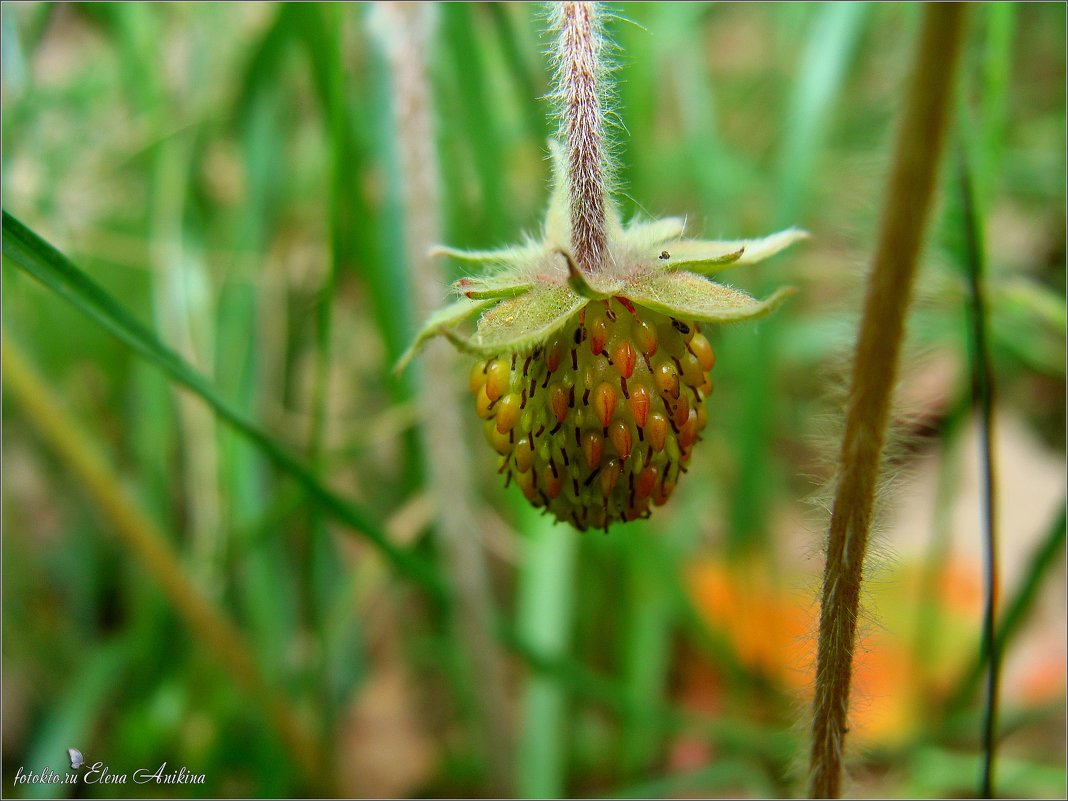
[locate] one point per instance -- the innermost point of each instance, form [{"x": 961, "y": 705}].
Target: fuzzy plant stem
[
  {"x": 914, "y": 168},
  {"x": 405, "y": 31},
  {"x": 578, "y": 85},
  {"x": 148, "y": 547}
]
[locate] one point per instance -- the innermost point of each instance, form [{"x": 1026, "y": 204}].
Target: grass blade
[
  {"x": 37, "y": 257},
  {"x": 147, "y": 545},
  {"x": 1016, "y": 611},
  {"x": 911, "y": 183},
  {"x": 543, "y": 622},
  {"x": 831, "y": 43},
  {"x": 982, "y": 404}
]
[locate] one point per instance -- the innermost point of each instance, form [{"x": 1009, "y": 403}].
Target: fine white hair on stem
[
  {"x": 910, "y": 187},
  {"x": 405, "y": 33},
  {"x": 579, "y": 93}
]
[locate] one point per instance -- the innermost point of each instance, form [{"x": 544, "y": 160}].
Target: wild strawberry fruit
[
  {"x": 598, "y": 423},
  {"x": 592, "y": 388}
]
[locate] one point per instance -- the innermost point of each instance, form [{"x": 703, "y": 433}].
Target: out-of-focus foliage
[{"x": 227, "y": 174}]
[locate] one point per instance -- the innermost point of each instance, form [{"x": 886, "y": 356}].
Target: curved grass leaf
[{"x": 34, "y": 255}]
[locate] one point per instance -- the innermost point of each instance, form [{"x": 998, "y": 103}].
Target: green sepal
[
  {"x": 439, "y": 323},
  {"x": 580, "y": 282},
  {"x": 700, "y": 266},
  {"x": 492, "y": 286},
  {"x": 694, "y": 297},
  {"x": 525, "y": 321},
  {"x": 520, "y": 254},
  {"x": 711, "y": 256}
]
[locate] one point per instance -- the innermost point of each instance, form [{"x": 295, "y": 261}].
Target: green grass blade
[
  {"x": 31, "y": 253},
  {"x": 983, "y": 405},
  {"x": 529, "y": 82},
  {"x": 829, "y": 53},
  {"x": 726, "y": 776},
  {"x": 1045, "y": 556},
  {"x": 645, "y": 650},
  {"x": 73, "y": 717},
  {"x": 544, "y": 623},
  {"x": 823, "y": 66},
  {"x": 996, "y": 78},
  {"x": 480, "y": 125}
]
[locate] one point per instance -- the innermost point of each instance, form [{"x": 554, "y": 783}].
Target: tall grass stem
[
  {"x": 405, "y": 31},
  {"x": 913, "y": 171}
]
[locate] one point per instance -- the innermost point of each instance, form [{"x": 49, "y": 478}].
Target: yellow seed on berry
[
  {"x": 657, "y": 431},
  {"x": 624, "y": 358},
  {"x": 639, "y": 405},
  {"x": 524, "y": 454},
  {"x": 692, "y": 374},
  {"x": 526, "y": 484},
  {"x": 508, "y": 412},
  {"x": 477, "y": 378},
  {"x": 682, "y": 411},
  {"x": 643, "y": 486},
  {"x": 483, "y": 403},
  {"x": 598, "y": 336},
  {"x": 553, "y": 354},
  {"x": 667, "y": 379},
  {"x": 688, "y": 431},
  {"x": 604, "y": 403},
  {"x": 609, "y": 476},
  {"x": 645, "y": 337},
  {"x": 558, "y": 402},
  {"x": 499, "y": 441},
  {"x": 702, "y": 349},
  {"x": 619, "y": 433},
  {"x": 552, "y": 482},
  {"x": 498, "y": 376},
  {"x": 663, "y": 493},
  {"x": 592, "y": 448}
]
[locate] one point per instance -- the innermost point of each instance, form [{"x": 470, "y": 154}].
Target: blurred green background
[{"x": 228, "y": 173}]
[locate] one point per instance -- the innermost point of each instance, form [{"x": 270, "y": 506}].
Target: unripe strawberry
[
  {"x": 592, "y": 386},
  {"x": 595, "y": 424}
]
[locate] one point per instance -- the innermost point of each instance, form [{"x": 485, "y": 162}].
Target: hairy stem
[
  {"x": 405, "y": 33},
  {"x": 148, "y": 546},
  {"x": 917, "y": 149},
  {"x": 578, "y": 82}
]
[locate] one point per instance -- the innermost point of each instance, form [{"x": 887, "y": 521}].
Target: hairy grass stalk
[
  {"x": 147, "y": 544},
  {"x": 578, "y": 87},
  {"x": 916, "y": 154},
  {"x": 405, "y": 31}
]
